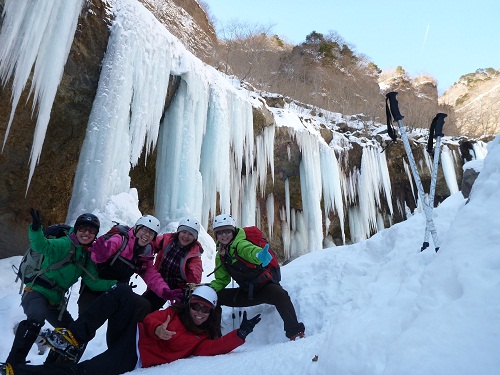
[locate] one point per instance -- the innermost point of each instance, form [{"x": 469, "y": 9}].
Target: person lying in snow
[{"x": 180, "y": 331}]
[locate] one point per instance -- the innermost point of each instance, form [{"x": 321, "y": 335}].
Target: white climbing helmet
[
  {"x": 223, "y": 220},
  {"x": 189, "y": 224},
  {"x": 205, "y": 292},
  {"x": 150, "y": 222}
]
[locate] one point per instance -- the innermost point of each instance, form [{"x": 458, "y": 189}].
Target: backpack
[
  {"x": 255, "y": 275},
  {"x": 122, "y": 230},
  {"x": 29, "y": 269},
  {"x": 123, "y": 270}
]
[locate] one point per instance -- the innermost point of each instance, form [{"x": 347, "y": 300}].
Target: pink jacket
[
  {"x": 191, "y": 265},
  {"x": 105, "y": 249}
]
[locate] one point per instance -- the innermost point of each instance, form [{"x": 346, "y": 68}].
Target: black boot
[{"x": 25, "y": 337}]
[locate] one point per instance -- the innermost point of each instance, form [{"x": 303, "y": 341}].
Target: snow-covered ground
[{"x": 376, "y": 307}]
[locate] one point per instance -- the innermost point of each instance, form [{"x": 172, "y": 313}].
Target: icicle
[
  {"x": 385, "y": 179},
  {"x": 265, "y": 156},
  {"x": 331, "y": 181},
  {"x": 270, "y": 213},
  {"x": 36, "y": 35},
  {"x": 248, "y": 200}
]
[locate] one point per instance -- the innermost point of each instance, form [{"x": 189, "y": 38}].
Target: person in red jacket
[
  {"x": 178, "y": 259},
  {"x": 180, "y": 331}
]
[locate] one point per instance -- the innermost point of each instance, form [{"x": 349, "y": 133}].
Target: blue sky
[{"x": 442, "y": 38}]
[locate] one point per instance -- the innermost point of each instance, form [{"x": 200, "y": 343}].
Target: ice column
[
  {"x": 310, "y": 184},
  {"x": 127, "y": 108},
  {"x": 449, "y": 170},
  {"x": 178, "y": 179},
  {"x": 227, "y": 146}
]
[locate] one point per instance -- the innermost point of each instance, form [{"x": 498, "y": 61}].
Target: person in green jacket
[
  {"x": 239, "y": 266},
  {"x": 43, "y": 299}
]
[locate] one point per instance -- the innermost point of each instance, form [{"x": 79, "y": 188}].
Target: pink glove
[{"x": 174, "y": 295}]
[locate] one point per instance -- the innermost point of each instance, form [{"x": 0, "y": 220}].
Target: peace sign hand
[{"x": 162, "y": 332}]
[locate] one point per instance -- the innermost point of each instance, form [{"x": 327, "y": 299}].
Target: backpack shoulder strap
[
  {"x": 120, "y": 250},
  {"x": 61, "y": 263}
]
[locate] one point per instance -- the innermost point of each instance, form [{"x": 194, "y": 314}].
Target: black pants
[
  {"x": 113, "y": 332},
  {"x": 120, "y": 357},
  {"x": 155, "y": 300},
  {"x": 272, "y": 294}
]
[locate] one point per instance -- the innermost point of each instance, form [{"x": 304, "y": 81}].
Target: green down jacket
[
  {"x": 56, "y": 249},
  {"x": 246, "y": 250}
]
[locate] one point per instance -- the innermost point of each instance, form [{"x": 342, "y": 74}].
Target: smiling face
[
  {"x": 224, "y": 235},
  {"x": 185, "y": 238},
  {"x": 199, "y": 313},
  {"x": 145, "y": 235},
  {"x": 85, "y": 235}
]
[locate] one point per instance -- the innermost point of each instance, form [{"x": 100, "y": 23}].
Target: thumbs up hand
[
  {"x": 162, "y": 332},
  {"x": 264, "y": 256}
]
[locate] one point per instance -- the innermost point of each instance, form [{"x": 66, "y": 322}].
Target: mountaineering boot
[
  {"x": 6, "y": 369},
  {"x": 39, "y": 342},
  {"x": 26, "y": 335},
  {"x": 62, "y": 341}
]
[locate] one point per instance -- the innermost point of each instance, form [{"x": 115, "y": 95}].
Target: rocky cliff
[
  {"x": 51, "y": 187},
  {"x": 474, "y": 98}
]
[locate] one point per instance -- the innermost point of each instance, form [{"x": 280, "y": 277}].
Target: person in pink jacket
[
  {"x": 179, "y": 331},
  {"x": 119, "y": 257},
  {"x": 178, "y": 259}
]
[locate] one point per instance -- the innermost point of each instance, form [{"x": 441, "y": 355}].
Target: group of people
[{"x": 140, "y": 332}]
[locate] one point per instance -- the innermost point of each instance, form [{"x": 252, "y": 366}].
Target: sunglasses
[
  {"x": 224, "y": 231},
  {"x": 200, "y": 308},
  {"x": 91, "y": 230}
]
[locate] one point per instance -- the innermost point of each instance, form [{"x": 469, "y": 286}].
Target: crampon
[
  {"x": 62, "y": 341},
  {"x": 6, "y": 369}
]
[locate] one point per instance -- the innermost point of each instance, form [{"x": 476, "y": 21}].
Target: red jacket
[
  {"x": 155, "y": 351},
  {"x": 191, "y": 265}
]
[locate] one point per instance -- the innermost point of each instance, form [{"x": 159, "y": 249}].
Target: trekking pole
[
  {"x": 435, "y": 131},
  {"x": 394, "y": 110}
]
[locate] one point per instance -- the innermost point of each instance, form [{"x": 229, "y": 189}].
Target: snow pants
[{"x": 272, "y": 294}]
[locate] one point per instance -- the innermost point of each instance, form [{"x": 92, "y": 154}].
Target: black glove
[
  {"x": 246, "y": 325},
  {"x": 36, "y": 223}
]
